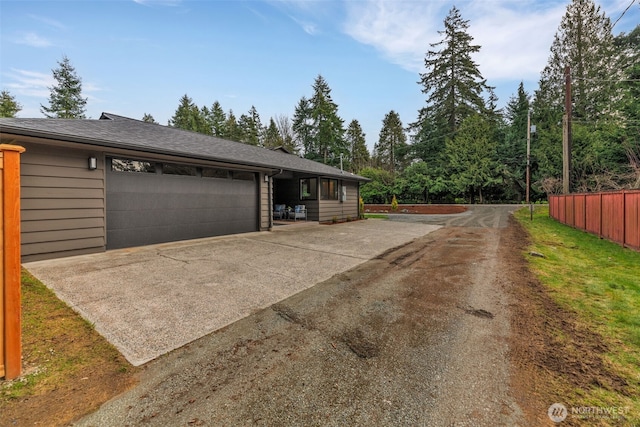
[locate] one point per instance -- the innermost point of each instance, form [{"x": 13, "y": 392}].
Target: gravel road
[{"x": 417, "y": 336}]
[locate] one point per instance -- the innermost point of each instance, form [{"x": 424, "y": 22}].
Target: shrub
[{"x": 394, "y": 203}]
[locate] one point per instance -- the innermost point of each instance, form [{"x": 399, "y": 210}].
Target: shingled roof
[{"x": 113, "y": 131}]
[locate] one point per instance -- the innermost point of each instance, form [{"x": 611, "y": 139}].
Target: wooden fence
[
  {"x": 10, "y": 313},
  {"x": 612, "y": 215}
]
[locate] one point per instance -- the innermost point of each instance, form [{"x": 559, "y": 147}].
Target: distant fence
[{"x": 612, "y": 215}]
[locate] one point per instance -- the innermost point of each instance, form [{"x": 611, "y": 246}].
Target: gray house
[{"x": 92, "y": 185}]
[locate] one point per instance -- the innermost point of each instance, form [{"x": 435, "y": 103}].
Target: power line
[{"x": 625, "y": 11}]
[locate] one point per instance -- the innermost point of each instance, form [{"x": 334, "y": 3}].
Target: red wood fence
[
  {"x": 612, "y": 215},
  {"x": 10, "y": 332}
]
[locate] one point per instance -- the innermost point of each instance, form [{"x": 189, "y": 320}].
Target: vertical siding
[{"x": 62, "y": 201}]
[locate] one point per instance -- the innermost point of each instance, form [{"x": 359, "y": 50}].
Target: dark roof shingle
[{"x": 122, "y": 132}]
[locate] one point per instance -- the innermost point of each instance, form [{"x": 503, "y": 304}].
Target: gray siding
[
  {"x": 265, "y": 205},
  {"x": 341, "y": 210},
  {"x": 62, "y": 203}
]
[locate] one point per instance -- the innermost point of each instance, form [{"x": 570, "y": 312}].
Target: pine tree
[
  {"x": 250, "y": 127},
  {"x": 512, "y": 148},
  {"x": 272, "y": 138},
  {"x": 303, "y": 128},
  {"x": 65, "y": 99},
  {"x": 471, "y": 156},
  {"x": 584, "y": 42},
  {"x": 453, "y": 84},
  {"x": 391, "y": 148},
  {"x": 233, "y": 131},
  {"x": 328, "y": 130},
  {"x": 359, "y": 154},
  {"x": 148, "y": 118},
  {"x": 188, "y": 116},
  {"x": 216, "y": 120},
  {"x": 9, "y": 107}
]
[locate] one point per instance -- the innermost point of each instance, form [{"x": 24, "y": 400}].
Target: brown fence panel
[
  {"x": 593, "y": 213},
  {"x": 10, "y": 310},
  {"x": 562, "y": 211},
  {"x": 569, "y": 216},
  {"x": 580, "y": 211},
  {"x": 614, "y": 216},
  {"x": 632, "y": 217}
]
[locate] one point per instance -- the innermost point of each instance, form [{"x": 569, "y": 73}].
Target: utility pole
[{"x": 566, "y": 133}]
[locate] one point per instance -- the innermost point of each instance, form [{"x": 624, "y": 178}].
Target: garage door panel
[{"x": 151, "y": 208}]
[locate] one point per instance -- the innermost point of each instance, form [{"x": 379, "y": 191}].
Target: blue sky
[{"x": 141, "y": 56}]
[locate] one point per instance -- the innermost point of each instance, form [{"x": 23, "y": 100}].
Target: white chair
[
  {"x": 279, "y": 211},
  {"x": 300, "y": 212}
]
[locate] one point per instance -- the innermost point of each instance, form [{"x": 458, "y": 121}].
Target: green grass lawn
[{"x": 600, "y": 282}]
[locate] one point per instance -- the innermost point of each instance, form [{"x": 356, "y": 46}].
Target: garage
[
  {"x": 152, "y": 202},
  {"x": 88, "y": 186}
]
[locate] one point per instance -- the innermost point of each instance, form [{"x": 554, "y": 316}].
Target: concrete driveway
[{"x": 150, "y": 300}]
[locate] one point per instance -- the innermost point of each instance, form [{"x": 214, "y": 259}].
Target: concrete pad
[{"x": 150, "y": 300}]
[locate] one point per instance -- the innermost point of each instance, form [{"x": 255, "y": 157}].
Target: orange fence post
[{"x": 10, "y": 319}]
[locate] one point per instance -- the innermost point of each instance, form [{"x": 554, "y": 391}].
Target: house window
[
  {"x": 329, "y": 189},
  {"x": 174, "y": 169},
  {"x": 215, "y": 173},
  {"x": 309, "y": 189},
  {"x": 244, "y": 176},
  {"x": 129, "y": 165}
]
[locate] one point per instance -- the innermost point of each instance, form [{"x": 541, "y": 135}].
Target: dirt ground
[{"x": 450, "y": 329}]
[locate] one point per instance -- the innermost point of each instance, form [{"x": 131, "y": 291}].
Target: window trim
[{"x": 312, "y": 186}]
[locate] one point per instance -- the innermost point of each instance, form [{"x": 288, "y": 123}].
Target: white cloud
[
  {"x": 48, "y": 21},
  {"x": 32, "y": 39},
  {"x": 308, "y": 27},
  {"x": 514, "y": 36},
  {"x": 29, "y": 83},
  {"x": 158, "y": 2},
  {"x": 400, "y": 30},
  {"x": 514, "y": 41}
]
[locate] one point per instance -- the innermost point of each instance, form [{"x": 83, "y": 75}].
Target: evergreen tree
[
  {"x": 188, "y": 116},
  {"x": 9, "y": 107},
  {"x": 471, "y": 156},
  {"x": 250, "y": 127},
  {"x": 583, "y": 42},
  {"x": 359, "y": 154},
  {"x": 233, "y": 131},
  {"x": 65, "y": 99},
  {"x": 303, "y": 127},
  {"x": 453, "y": 85},
  {"x": 391, "y": 148},
  {"x": 272, "y": 138},
  {"x": 216, "y": 120},
  {"x": 512, "y": 149},
  {"x": 328, "y": 130},
  {"x": 148, "y": 118}
]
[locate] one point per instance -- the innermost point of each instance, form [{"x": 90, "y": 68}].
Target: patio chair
[
  {"x": 279, "y": 211},
  {"x": 300, "y": 212}
]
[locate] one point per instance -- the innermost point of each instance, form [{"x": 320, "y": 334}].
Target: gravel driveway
[{"x": 416, "y": 336}]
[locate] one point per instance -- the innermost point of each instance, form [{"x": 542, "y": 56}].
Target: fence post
[{"x": 10, "y": 312}]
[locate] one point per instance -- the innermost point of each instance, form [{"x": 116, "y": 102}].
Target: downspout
[{"x": 270, "y": 197}]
